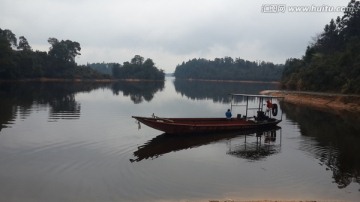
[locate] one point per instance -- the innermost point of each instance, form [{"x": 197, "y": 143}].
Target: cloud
[{"x": 167, "y": 31}]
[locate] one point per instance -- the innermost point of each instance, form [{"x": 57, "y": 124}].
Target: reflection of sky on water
[
  {"x": 88, "y": 158},
  {"x": 170, "y": 104}
]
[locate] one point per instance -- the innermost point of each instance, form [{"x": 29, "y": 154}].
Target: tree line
[
  {"x": 19, "y": 61},
  {"x": 332, "y": 62},
  {"x": 228, "y": 69},
  {"x": 136, "y": 68},
  {"x": 104, "y": 68}
]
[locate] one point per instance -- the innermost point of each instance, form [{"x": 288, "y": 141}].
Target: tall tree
[
  {"x": 23, "y": 44},
  {"x": 137, "y": 60},
  {"x": 64, "y": 50},
  {"x": 7, "y": 42},
  {"x": 149, "y": 63},
  {"x": 351, "y": 20},
  {"x": 8, "y": 38}
]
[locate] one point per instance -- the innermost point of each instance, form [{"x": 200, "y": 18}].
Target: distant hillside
[
  {"x": 228, "y": 69},
  {"x": 332, "y": 62}
]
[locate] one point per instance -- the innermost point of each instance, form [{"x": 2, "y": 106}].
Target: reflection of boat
[
  {"x": 205, "y": 125},
  {"x": 165, "y": 143},
  {"x": 256, "y": 150}
]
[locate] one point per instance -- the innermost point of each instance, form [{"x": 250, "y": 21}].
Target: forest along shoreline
[
  {"x": 326, "y": 101},
  {"x": 76, "y": 80},
  {"x": 232, "y": 81}
]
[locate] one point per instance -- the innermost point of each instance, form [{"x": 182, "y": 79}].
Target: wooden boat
[
  {"x": 203, "y": 125},
  {"x": 206, "y": 125}
]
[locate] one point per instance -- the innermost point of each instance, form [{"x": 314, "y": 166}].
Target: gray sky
[{"x": 171, "y": 31}]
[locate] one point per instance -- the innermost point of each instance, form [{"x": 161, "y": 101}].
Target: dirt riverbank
[
  {"x": 329, "y": 101},
  {"x": 255, "y": 200}
]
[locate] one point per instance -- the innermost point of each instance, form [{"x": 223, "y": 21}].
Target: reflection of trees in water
[
  {"x": 20, "y": 98},
  {"x": 7, "y": 112},
  {"x": 218, "y": 91},
  {"x": 336, "y": 140},
  {"x": 138, "y": 91},
  {"x": 65, "y": 108}
]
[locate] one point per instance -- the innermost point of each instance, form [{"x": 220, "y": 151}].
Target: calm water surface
[{"x": 78, "y": 142}]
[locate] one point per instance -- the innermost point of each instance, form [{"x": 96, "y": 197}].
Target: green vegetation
[
  {"x": 19, "y": 61},
  {"x": 228, "y": 69},
  {"x": 137, "y": 68},
  {"x": 332, "y": 62},
  {"x": 104, "y": 68}
]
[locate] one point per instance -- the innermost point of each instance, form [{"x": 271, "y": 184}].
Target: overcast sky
[{"x": 169, "y": 31}]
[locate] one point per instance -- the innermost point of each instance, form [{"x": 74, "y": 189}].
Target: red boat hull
[{"x": 203, "y": 125}]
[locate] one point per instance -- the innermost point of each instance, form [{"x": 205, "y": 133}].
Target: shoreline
[
  {"x": 232, "y": 81},
  {"x": 325, "y": 101},
  {"x": 44, "y": 79}
]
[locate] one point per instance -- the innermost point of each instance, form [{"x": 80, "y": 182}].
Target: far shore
[
  {"x": 326, "y": 101},
  {"x": 233, "y": 81},
  {"x": 47, "y": 79},
  {"x": 44, "y": 79}
]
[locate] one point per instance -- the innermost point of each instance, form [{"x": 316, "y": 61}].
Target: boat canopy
[
  {"x": 259, "y": 96},
  {"x": 261, "y": 103}
]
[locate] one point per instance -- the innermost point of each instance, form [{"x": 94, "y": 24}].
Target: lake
[{"x": 78, "y": 142}]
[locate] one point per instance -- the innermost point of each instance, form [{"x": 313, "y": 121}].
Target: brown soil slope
[{"x": 319, "y": 100}]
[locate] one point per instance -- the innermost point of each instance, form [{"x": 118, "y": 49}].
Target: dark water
[{"x": 78, "y": 142}]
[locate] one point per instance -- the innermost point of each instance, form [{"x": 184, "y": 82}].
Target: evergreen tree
[{"x": 332, "y": 62}]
